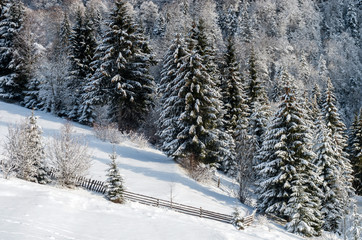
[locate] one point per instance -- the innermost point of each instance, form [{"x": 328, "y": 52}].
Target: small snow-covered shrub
[
  {"x": 198, "y": 171},
  {"x": 262, "y": 220},
  {"x": 238, "y": 220},
  {"x": 7, "y": 167},
  {"x": 108, "y": 132},
  {"x": 139, "y": 139},
  {"x": 328, "y": 236}
]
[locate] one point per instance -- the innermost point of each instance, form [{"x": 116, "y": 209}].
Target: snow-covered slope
[{"x": 32, "y": 211}]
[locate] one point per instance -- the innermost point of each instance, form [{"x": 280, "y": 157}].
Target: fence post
[{"x": 200, "y": 212}]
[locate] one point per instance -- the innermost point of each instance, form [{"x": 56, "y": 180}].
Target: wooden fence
[{"x": 100, "y": 187}]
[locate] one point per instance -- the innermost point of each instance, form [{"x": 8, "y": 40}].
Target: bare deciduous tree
[{"x": 69, "y": 155}]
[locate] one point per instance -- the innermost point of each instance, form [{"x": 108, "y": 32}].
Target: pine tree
[
  {"x": 86, "y": 110},
  {"x": 199, "y": 140},
  {"x": 122, "y": 76},
  {"x": 62, "y": 42},
  {"x": 337, "y": 129},
  {"x": 83, "y": 45},
  {"x": 77, "y": 71},
  {"x": 288, "y": 184},
  {"x": 354, "y": 232},
  {"x": 355, "y": 151},
  {"x": 114, "y": 182},
  {"x": 221, "y": 146},
  {"x": 235, "y": 107},
  {"x": 36, "y": 148},
  {"x": 12, "y": 64},
  {"x": 258, "y": 101},
  {"x": 170, "y": 84},
  {"x": 25, "y": 150},
  {"x": 327, "y": 163},
  {"x": 316, "y": 94}
]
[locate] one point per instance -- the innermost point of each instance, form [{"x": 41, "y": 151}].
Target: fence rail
[{"x": 100, "y": 187}]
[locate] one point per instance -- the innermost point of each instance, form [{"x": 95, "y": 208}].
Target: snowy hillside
[{"x": 34, "y": 211}]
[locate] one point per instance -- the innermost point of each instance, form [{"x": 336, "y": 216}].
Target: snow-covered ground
[{"x": 33, "y": 211}]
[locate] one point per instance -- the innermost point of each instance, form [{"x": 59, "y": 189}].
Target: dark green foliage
[
  {"x": 355, "y": 151},
  {"x": 337, "y": 130},
  {"x": 169, "y": 87},
  {"x": 82, "y": 49},
  {"x": 122, "y": 78},
  {"x": 13, "y": 77},
  {"x": 235, "y": 107},
  {"x": 257, "y": 101},
  {"x": 287, "y": 184}
]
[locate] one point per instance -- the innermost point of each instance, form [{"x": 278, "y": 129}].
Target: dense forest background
[
  {"x": 314, "y": 40},
  {"x": 267, "y": 91}
]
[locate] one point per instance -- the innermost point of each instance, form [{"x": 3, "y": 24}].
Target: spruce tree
[
  {"x": 83, "y": 45},
  {"x": 327, "y": 166},
  {"x": 337, "y": 130},
  {"x": 12, "y": 64},
  {"x": 63, "y": 37},
  {"x": 221, "y": 145},
  {"x": 257, "y": 101},
  {"x": 235, "y": 107},
  {"x": 36, "y": 148},
  {"x": 25, "y": 150},
  {"x": 354, "y": 231},
  {"x": 288, "y": 184},
  {"x": 114, "y": 191},
  {"x": 122, "y": 76},
  {"x": 77, "y": 71},
  {"x": 355, "y": 151},
  {"x": 86, "y": 114},
  {"x": 170, "y": 84},
  {"x": 200, "y": 139}
]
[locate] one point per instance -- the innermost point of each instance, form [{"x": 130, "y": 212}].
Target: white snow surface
[{"x": 33, "y": 211}]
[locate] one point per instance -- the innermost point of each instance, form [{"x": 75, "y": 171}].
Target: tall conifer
[
  {"x": 288, "y": 184},
  {"x": 122, "y": 76}
]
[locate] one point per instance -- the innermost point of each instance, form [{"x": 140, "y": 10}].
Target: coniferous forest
[{"x": 267, "y": 91}]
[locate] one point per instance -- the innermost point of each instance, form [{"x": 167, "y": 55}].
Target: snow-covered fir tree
[
  {"x": 338, "y": 134},
  {"x": 257, "y": 100},
  {"x": 114, "y": 182},
  {"x": 36, "y": 148},
  {"x": 199, "y": 139},
  {"x": 288, "y": 183},
  {"x": 25, "y": 150},
  {"x": 235, "y": 107},
  {"x": 327, "y": 166},
  {"x": 17, "y": 152},
  {"x": 12, "y": 63},
  {"x": 77, "y": 71},
  {"x": 355, "y": 151},
  {"x": 170, "y": 84},
  {"x": 122, "y": 79},
  {"x": 221, "y": 146},
  {"x": 83, "y": 45},
  {"x": 354, "y": 231}
]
